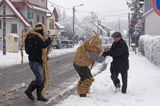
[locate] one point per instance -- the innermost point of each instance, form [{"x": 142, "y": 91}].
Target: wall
[
  {"x": 48, "y": 21},
  {"x": 41, "y": 3},
  {"x": 152, "y": 24}
]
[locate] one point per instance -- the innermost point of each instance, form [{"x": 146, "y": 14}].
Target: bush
[{"x": 150, "y": 47}]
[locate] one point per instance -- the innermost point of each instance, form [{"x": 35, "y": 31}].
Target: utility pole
[
  {"x": 74, "y": 21},
  {"x": 4, "y": 28},
  {"x": 73, "y": 24},
  {"x": 129, "y": 28},
  {"x": 119, "y": 25}
]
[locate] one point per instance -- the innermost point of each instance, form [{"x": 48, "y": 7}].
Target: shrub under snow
[{"x": 150, "y": 47}]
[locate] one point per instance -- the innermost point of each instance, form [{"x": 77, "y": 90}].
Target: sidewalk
[{"x": 143, "y": 87}]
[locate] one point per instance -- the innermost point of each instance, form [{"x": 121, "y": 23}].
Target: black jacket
[
  {"x": 120, "y": 54},
  {"x": 33, "y": 47}
]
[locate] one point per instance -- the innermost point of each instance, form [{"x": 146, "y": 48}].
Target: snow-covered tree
[{"x": 136, "y": 7}]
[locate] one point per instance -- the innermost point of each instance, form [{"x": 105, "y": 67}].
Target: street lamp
[{"x": 74, "y": 21}]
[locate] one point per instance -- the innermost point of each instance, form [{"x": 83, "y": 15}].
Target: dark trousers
[
  {"x": 83, "y": 72},
  {"x": 116, "y": 81},
  {"x": 38, "y": 83}
]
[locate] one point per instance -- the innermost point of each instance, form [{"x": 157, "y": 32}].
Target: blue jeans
[{"x": 38, "y": 83}]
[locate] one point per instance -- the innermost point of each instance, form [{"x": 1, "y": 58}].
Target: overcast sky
[{"x": 108, "y": 10}]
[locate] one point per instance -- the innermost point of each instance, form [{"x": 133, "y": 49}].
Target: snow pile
[
  {"x": 150, "y": 47},
  {"x": 143, "y": 87}
]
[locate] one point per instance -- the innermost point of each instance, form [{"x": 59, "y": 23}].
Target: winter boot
[
  {"x": 39, "y": 95},
  {"x": 29, "y": 91},
  {"x": 82, "y": 95},
  {"x": 124, "y": 91}
]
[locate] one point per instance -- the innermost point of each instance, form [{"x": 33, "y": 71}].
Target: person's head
[
  {"x": 39, "y": 28},
  {"x": 117, "y": 36}
]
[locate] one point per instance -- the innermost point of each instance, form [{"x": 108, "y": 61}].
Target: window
[
  {"x": 37, "y": 18},
  {"x": 30, "y": 22},
  {"x": 43, "y": 20},
  {"x": 13, "y": 28},
  {"x": 15, "y": 39},
  {"x": 0, "y": 24},
  {"x": 51, "y": 24}
]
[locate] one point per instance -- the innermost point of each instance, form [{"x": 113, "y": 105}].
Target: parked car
[
  {"x": 56, "y": 43},
  {"x": 66, "y": 44}
]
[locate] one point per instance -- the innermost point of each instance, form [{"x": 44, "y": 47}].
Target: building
[
  {"x": 21, "y": 15},
  {"x": 105, "y": 30},
  {"x": 53, "y": 25},
  {"x": 151, "y": 19}
]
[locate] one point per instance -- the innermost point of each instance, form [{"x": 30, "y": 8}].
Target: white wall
[
  {"x": 41, "y": 3},
  {"x": 152, "y": 24},
  {"x": 8, "y": 10},
  {"x": 10, "y": 21}
]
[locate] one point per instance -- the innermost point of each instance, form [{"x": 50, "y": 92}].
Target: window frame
[{"x": 14, "y": 30}]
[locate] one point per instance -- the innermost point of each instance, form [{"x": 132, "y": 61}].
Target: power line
[
  {"x": 83, "y": 11},
  {"x": 59, "y": 5},
  {"x": 101, "y": 12}
]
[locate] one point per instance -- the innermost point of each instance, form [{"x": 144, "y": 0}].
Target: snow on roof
[
  {"x": 41, "y": 9},
  {"x": 14, "y": 35},
  {"x": 106, "y": 27},
  {"x": 17, "y": 13},
  {"x": 37, "y": 8},
  {"x": 59, "y": 25},
  {"x": 100, "y": 27}
]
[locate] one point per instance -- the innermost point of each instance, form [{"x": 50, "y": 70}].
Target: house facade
[
  {"x": 53, "y": 25},
  {"x": 151, "y": 19},
  {"x": 21, "y": 15}
]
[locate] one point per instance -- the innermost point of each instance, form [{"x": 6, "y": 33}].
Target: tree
[{"x": 136, "y": 7}]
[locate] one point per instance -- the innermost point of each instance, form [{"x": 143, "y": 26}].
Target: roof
[
  {"x": 100, "y": 27},
  {"x": 37, "y": 7},
  {"x": 59, "y": 25},
  {"x": 14, "y": 35},
  {"x": 17, "y": 13}
]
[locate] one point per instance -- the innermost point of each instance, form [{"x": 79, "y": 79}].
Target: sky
[{"x": 107, "y": 10}]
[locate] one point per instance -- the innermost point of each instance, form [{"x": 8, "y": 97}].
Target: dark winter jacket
[
  {"x": 119, "y": 52},
  {"x": 34, "y": 45}
]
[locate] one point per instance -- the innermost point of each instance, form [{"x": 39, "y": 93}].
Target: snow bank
[
  {"x": 15, "y": 58},
  {"x": 143, "y": 87},
  {"x": 150, "y": 47}
]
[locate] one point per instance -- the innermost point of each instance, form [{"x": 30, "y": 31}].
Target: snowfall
[
  {"x": 143, "y": 83},
  {"x": 143, "y": 87}
]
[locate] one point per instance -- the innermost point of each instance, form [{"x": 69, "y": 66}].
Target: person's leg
[
  {"x": 33, "y": 85},
  {"x": 40, "y": 82},
  {"x": 86, "y": 80},
  {"x": 116, "y": 81},
  {"x": 124, "y": 81}
]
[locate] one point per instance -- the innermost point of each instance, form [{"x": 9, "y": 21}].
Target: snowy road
[
  {"x": 13, "y": 80},
  {"x": 143, "y": 87}
]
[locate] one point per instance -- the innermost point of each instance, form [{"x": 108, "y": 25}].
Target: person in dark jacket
[
  {"x": 34, "y": 45},
  {"x": 120, "y": 64}
]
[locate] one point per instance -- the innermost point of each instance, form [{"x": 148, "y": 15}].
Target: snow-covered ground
[
  {"x": 15, "y": 58},
  {"x": 143, "y": 87}
]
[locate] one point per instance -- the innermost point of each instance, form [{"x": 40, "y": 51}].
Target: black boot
[
  {"x": 28, "y": 92},
  {"x": 39, "y": 95},
  {"x": 124, "y": 91},
  {"x": 41, "y": 98},
  {"x": 118, "y": 85},
  {"x": 82, "y": 95}
]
